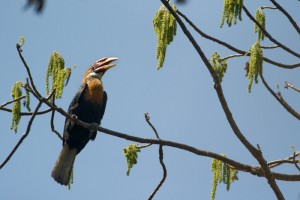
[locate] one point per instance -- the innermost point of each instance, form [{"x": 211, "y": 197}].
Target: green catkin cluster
[
  {"x": 220, "y": 66},
  {"x": 255, "y": 64},
  {"x": 221, "y": 173},
  {"x": 27, "y": 101},
  {"x": 16, "y": 109},
  {"x": 56, "y": 69},
  {"x": 232, "y": 10},
  {"x": 165, "y": 28},
  {"x": 130, "y": 153},
  {"x": 261, "y": 19}
]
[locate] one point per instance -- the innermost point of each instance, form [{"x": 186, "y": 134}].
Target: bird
[{"x": 88, "y": 105}]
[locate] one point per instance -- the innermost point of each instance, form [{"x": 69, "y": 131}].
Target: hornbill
[{"x": 88, "y": 105}]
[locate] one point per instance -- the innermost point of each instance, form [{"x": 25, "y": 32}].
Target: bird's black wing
[
  {"x": 74, "y": 105},
  {"x": 103, "y": 105},
  {"x": 75, "y": 102}
]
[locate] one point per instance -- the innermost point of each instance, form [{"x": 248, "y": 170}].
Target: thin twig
[
  {"x": 269, "y": 176},
  {"x": 280, "y": 99},
  {"x": 289, "y": 85},
  {"x": 52, "y": 117},
  {"x": 28, "y": 113},
  {"x": 267, "y": 34},
  {"x": 28, "y": 70},
  {"x": 23, "y": 136},
  {"x": 231, "y": 56},
  {"x": 269, "y": 47},
  {"x": 289, "y": 160},
  {"x": 293, "y": 22},
  {"x": 291, "y": 66},
  {"x": 161, "y": 158},
  {"x": 144, "y": 146},
  {"x": 296, "y": 162},
  {"x": 268, "y": 7},
  {"x": 12, "y": 101}
]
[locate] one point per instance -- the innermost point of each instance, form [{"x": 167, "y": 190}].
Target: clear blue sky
[{"x": 180, "y": 99}]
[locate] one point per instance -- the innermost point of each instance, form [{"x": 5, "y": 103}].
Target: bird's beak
[{"x": 103, "y": 64}]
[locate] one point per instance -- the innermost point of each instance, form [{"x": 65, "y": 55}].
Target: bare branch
[
  {"x": 161, "y": 158},
  {"x": 268, "y": 7},
  {"x": 280, "y": 99},
  {"x": 232, "y": 56},
  {"x": 28, "y": 113},
  {"x": 12, "y": 101},
  {"x": 289, "y": 160},
  {"x": 269, "y": 47},
  {"x": 293, "y": 22},
  {"x": 23, "y": 136},
  {"x": 52, "y": 117},
  {"x": 28, "y": 70},
  {"x": 289, "y": 85},
  {"x": 296, "y": 162}
]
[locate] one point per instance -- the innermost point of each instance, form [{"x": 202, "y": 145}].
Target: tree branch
[
  {"x": 161, "y": 158},
  {"x": 289, "y": 85},
  {"x": 52, "y": 116},
  {"x": 255, "y": 152},
  {"x": 28, "y": 71},
  {"x": 11, "y": 101},
  {"x": 291, "y": 66},
  {"x": 293, "y": 22},
  {"x": 23, "y": 136},
  {"x": 267, "y": 34},
  {"x": 280, "y": 99}
]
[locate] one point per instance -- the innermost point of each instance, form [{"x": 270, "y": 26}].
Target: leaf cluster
[
  {"x": 130, "y": 153},
  {"x": 165, "y": 28},
  {"x": 220, "y": 66},
  {"x": 232, "y": 9},
  {"x": 58, "y": 72},
  {"x": 222, "y": 173},
  {"x": 261, "y": 19},
  {"x": 16, "y": 93},
  {"x": 255, "y": 64}
]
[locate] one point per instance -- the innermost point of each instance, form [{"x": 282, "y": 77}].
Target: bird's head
[{"x": 99, "y": 68}]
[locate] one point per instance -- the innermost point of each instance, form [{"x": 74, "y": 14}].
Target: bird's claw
[
  {"x": 93, "y": 127},
  {"x": 74, "y": 116}
]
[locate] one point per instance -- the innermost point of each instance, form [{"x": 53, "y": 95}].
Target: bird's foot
[
  {"x": 74, "y": 117},
  {"x": 93, "y": 127}
]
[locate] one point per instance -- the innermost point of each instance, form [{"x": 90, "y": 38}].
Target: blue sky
[{"x": 180, "y": 99}]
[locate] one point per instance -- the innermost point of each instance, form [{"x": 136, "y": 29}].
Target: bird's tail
[{"x": 64, "y": 164}]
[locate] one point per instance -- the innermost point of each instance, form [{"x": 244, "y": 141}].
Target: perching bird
[{"x": 88, "y": 105}]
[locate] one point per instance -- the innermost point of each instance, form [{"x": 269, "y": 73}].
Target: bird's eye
[{"x": 93, "y": 69}]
